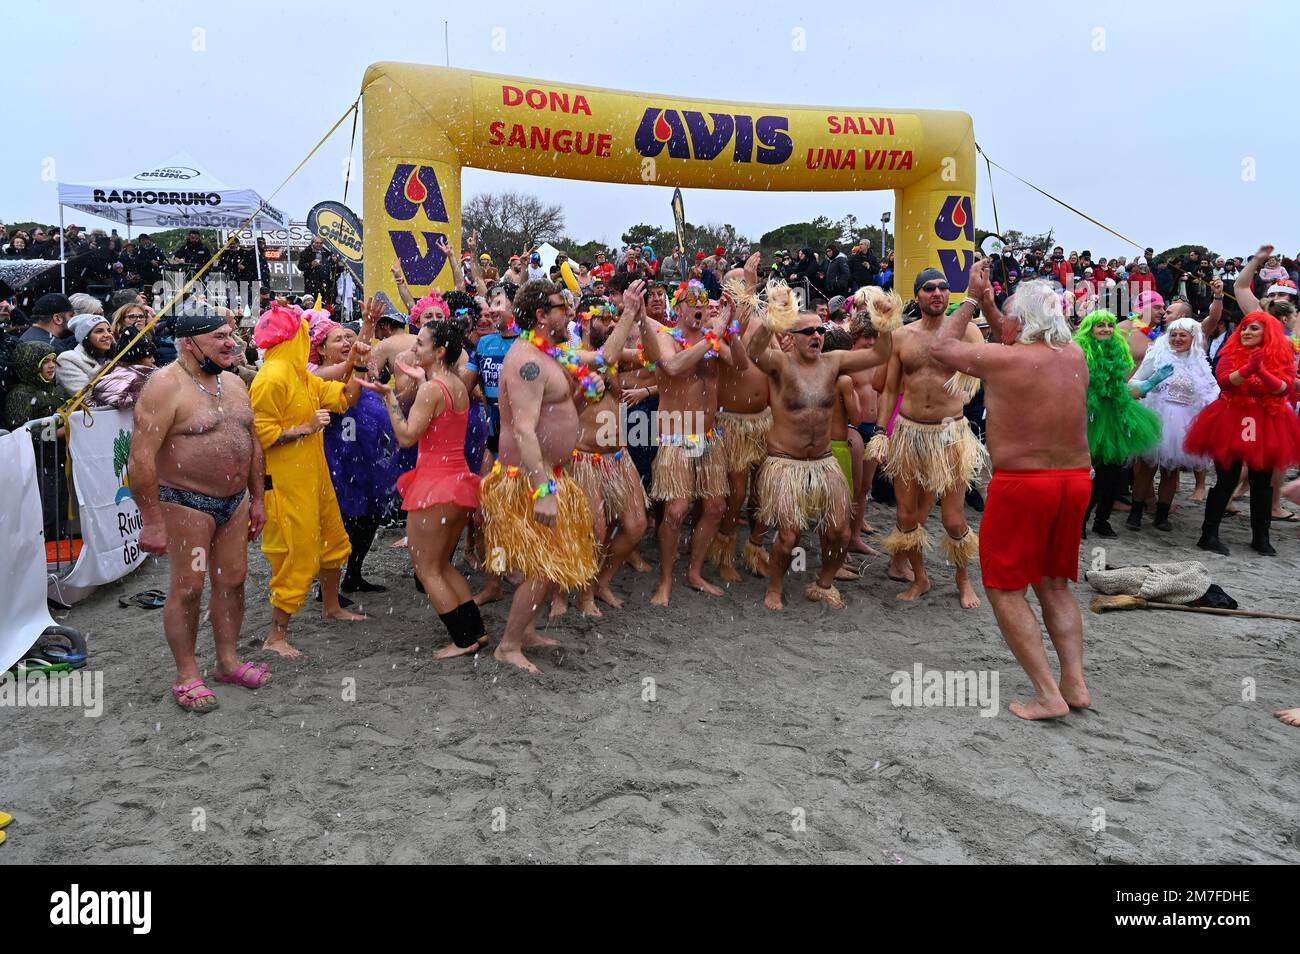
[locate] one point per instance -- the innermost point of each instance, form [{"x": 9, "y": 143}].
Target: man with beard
[
  {"x": 535, "y": 517},
  {"x": 800, "y": 480},
  {"x": 690, "y": 465},
  {"x": 1035, "y": 391},
  {"x": 932, "y": 451},
  {"x": 197, "y": 476}
]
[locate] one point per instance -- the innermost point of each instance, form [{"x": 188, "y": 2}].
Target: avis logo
[
  {"x": 688, "y": 136},
  {"x": 955, "y": 221},
  {"x": 410, "y": 189}
]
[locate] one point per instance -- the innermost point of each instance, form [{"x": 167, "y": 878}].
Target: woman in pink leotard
[{"x": 440, "y": 493}]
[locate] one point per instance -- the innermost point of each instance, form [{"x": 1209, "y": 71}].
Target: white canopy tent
[{"x": 179, "y": 193}]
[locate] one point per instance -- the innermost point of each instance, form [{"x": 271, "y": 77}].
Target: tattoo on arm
[{"x": 529, "y": 371}]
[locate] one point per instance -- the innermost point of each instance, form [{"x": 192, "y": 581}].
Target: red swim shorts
[{"x": 1031, "y": 527}]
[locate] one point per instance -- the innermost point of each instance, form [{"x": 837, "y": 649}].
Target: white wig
[
  {"x": 1037, "y": 307},
  {"x": 1192, "y": 363}
]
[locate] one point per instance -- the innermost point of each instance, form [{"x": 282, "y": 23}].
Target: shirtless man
[
  {"x": 864, "y": 336},
  {"x": 689, "y": 466},
  {"x": 197, "y": 476},
  {"x": 601, "y": 463},
  {"x": 744, "y": 418},
  {"x": 1035, "y": 390},
  {"x": 1149, "y": 313},
  {"x": 801, "y": 481},
  {"x": 932, "y": 451},
  {"x": 535, "y": 516}
]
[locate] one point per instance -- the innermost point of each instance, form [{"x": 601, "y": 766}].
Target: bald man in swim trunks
[{"x": 1041, "y": 483}]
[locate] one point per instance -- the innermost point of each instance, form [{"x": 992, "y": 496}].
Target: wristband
[
  {"x": 544, "y": 490},
  {"x": 970, "y": 301}
]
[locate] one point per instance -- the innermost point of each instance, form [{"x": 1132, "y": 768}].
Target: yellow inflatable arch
[{"x": 423, "y": 123}]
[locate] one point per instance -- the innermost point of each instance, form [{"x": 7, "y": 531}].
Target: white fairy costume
[{"x": 1178, "y": 398}]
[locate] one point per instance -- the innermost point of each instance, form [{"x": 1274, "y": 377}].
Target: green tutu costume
[{"x": 1118, "y": 426}]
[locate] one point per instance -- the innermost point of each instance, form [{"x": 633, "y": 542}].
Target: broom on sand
[{"x": 1109, "y": 604}]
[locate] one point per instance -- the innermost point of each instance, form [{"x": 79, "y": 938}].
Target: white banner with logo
[
  {"x": 110, "y": 520},
  {"x": 23, "y": 612}
]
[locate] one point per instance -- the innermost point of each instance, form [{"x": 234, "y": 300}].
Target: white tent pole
[{"x": 63, "y": 275}]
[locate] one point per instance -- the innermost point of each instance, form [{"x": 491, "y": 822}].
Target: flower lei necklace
[{"x": 567, "y": 357}]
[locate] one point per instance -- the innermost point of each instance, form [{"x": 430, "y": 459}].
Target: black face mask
[{"x": 207, "y": 365}]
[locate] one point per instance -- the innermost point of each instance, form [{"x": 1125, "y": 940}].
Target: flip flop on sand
[
  {"x": 195, "y": 697},
  {"x": 37, "y": 664},
  {"x": 149, "y": 599},
  {"x": 5, "y": 818},
  {"x": 250, "y": 675}
]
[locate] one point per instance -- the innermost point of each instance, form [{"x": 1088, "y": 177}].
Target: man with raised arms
[
  {"x": 689, "y": 466},
  {"x": 932, "y": 451},
  {"x": 1035, "y": 387},
  {"x": 744, "y": 419},
  {"x": 800, "y": 481}
]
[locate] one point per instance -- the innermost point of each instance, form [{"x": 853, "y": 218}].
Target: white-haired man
[{"x": 1036, "y": 398}]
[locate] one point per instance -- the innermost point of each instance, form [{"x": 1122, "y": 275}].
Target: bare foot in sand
[
  {"x": 637, "y": 562},
  {"x": 587, "y": 605},
  {"x": 559, "y": 605},
  {"x": 868, "y": 528},
  {"x": 401, "y": 544},
  {"x": 533, "y": 638},
  {"x": 1198, "y": 495},
  {"x": 702, "y": 585},
  {"x": 452, "y": 651},
  {"x": 848, "y": 573},
  {"x": 914, "y": 592},
  {"x": 516, "y": 657},
  {"x": 606, "y": 595},
  {"x": 899, "y": 570},
  {"x": 661, "y": 594},
  {"x": 857, "y": 546},
  {"x": 1289, "y": 716},
  {"x": 1040, "y": 709},
  {"x": 280, "y": 644},
  {"x": 966, "y": 593},
  {"x": 729, "y": 573},
  {"x": 343, "y": 615},
  {"x": 773, "y": 600},
  {"x": 490, "y": 593},
  {"x": 1076, "y": 695}
]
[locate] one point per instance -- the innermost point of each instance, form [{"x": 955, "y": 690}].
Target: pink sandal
[
  {"x": 250, "y": 675},
  {"x": 191, "y": 694}
]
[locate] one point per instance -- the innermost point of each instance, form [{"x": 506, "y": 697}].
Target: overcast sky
[{"x": 1168, "y": 123}]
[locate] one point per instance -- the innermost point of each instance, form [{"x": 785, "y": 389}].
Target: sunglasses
[
  {"x": 694, "y": 298},
  {"x": 929, "y": 287},
  {"x": 814, "y": 330}
]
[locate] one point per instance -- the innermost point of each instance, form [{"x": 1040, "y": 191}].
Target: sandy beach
[{"x": 762, "y": 737}]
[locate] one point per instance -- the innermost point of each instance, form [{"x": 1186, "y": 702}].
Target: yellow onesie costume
[{"x": 304, "y": 530}]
